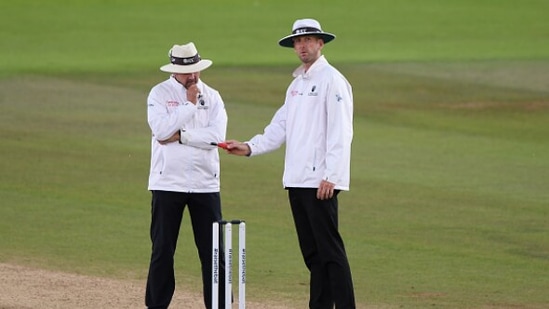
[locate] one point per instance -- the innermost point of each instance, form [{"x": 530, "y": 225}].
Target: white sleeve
[{"x": 339, "y": 129}]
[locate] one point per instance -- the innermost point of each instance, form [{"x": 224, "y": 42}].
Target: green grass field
[{"x": 449, "y": 196}]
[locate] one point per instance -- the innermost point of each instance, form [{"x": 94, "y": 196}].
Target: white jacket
[
  {"x": 192, "y": 166},
  {"x": 316, "y": 123}
]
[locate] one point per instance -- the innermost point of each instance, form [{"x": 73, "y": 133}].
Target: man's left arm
[
  {"x": 339, "y": 132},
  {"x": 215, "y": 130}
]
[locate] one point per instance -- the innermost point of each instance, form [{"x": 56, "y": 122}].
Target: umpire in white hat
[
  {"x": 316, "y": 125},
  {"x": 185, "y": 116}
]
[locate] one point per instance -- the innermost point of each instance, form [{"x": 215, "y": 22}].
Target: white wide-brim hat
[
  {"x": 302, "y": 27},
  {"x": 185, "y": 59}
]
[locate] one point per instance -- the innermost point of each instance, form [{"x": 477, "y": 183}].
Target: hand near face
[{"x": 192, "y": 93}]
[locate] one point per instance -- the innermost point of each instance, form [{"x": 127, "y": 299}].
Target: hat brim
[
  {"x": 186, "y": 69},
  {"x": 288, "y": 41}
]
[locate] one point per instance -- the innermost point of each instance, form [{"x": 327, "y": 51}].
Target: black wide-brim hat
[{"x": 305, "y": 27}]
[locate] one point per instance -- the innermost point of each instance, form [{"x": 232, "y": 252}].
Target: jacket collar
[{"x": 319, "y": 63}]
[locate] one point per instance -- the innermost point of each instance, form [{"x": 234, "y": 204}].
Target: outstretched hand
[{"x": 238, "y": 148}]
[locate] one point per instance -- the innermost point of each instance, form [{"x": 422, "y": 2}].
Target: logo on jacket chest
[
  {"x": 293, "y": 93},
  {"x": 312, "y": 92}
]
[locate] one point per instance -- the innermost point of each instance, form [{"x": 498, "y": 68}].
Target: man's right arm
[{"x": 164, "y": 125}]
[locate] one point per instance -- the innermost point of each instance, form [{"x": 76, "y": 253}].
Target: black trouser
[
  {"x": 316, "y": 223},
  {"x": 166, "y": 214}
]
